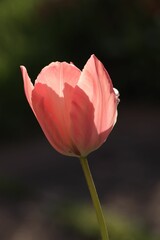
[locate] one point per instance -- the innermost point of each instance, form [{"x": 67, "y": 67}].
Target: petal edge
[{"x": 28, "y": 86}]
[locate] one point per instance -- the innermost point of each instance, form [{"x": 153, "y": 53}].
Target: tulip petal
[
  {"x": 52, "y": 115},
  {"x": 83, "y": 130},
  {"x": 56, "y": 74},
  {"x": 52, "y": 97},
  {"x": 28, "y": 86},
  {"x": 95, "y": 116},
  {"x": 96, "y": 83}
]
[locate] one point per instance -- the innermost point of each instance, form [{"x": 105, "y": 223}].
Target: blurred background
[{"x": 43, "y": 194}]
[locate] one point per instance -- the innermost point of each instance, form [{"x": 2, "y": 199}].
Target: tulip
[{"x": 75, "y": 109}]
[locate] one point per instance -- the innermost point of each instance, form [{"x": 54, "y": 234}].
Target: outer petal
[
  {"x": 28, "y": 86},
  {"x": 61, "y": 77},
  {"x": 51, "y": 101},
  {"x": 49, "y": 110},
  {"x": 83, "y": 129},
  {"x": 98, "y": 122}
]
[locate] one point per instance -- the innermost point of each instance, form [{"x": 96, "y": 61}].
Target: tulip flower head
[{"x": 75, "y": 109}]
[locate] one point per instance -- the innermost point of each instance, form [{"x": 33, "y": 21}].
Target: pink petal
[
  {"x": 83, "y": 130},
  {"x": 95, "y": 81},
  {"x": 61, "y": 78},
  {"x": 28, "y": 86},
  {"x": 94, "y": 107},
  {"x": 51, "y": 114},
  {"x": 56, "y": 74}
]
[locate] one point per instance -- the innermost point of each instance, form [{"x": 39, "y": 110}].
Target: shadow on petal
[
  {"x": 49, "y": 111},
  {"x": 82, "y": 123}
]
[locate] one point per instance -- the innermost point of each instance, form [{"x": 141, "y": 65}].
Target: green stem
[{"x": 95, "y": 199}]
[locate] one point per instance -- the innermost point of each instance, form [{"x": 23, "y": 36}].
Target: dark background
[{"x": 42, "y": 194}]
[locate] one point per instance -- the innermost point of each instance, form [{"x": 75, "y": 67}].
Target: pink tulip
[{"x": 75, "y": 109}]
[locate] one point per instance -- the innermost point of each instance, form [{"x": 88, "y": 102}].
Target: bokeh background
[{"x": 43, "y": 194}]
